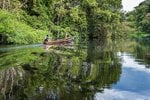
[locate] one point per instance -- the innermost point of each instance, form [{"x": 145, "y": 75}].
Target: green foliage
[
  {"x": 141, "y": 16},
  {"x": 18, "y": 57},
  {"x": 90, "y": 3},
  {"x": 81, "y": 18},
  {"x": 18, "y": 32}
]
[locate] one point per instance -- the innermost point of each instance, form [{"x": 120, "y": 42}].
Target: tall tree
[{"x": 142, "y": 16}]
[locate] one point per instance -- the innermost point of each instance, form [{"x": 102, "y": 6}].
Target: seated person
[{"x": 46, "y": 39}]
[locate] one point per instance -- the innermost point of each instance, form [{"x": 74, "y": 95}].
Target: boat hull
[{"x": 58, "y": 42}]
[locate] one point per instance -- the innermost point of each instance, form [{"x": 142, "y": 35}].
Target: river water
[{"x": 94, "y": 70}]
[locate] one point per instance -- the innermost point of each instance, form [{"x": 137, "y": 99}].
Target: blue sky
[{"x": 128, "y": 5}]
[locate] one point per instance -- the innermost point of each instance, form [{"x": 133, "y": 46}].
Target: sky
[{"x": 128, "y": 5}]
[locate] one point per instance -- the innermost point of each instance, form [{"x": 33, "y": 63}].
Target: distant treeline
[{"x": 140, "y": 18}]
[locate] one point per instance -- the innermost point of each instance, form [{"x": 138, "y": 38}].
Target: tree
[{"x": 142, "y": 16}]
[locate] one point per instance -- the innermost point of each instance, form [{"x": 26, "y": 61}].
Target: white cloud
[
  {"x": 114, "y": 94},
  {"x": 129, "y": 62},
  {"x": 128, "y": 5}
]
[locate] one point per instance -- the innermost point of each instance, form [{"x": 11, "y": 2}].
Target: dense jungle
[{"x": 107, "y": 60}]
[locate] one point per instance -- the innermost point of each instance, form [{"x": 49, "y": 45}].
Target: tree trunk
[{"x": 3, "y": 5}]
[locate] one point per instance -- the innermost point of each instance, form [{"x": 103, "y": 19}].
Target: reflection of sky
[
  {"x": 134, "y": 83},
  {"x": 129, "y": 62},
  {"x": 114, "y": 94},
  {"x": 135, "y": 77}
]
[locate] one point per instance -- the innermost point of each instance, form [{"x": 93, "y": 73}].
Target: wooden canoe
[{"x": 59, "y": 42}]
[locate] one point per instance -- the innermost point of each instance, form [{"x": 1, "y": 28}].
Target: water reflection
[
  {"x": 89, "y": 71},
  {"x": 143, "y": 53},
  {"x": 129, "y": 61},
  {"x": 10, "y": 79},
  {"x": 115, "y": 94}
]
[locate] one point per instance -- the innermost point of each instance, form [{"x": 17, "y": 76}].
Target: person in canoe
[
  {"x": 67, "y": 36},
  {"x": 46, "y": 39}
]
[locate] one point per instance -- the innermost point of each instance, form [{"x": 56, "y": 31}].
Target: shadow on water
[{"x": 60, "y": 74}]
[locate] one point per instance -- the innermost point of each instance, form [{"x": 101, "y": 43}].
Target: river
[{"x": 94, "y": 70}]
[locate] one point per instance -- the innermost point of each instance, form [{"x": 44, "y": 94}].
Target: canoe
[{"x": 59, "y": 42}]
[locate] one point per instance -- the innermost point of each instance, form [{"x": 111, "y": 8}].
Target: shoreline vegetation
[{"x": 29, "y": 21}]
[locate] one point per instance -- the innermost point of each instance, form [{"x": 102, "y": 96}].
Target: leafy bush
[{"x": 18, "y": 32}]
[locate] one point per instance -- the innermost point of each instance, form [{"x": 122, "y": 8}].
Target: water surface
[{"x": 100, "y": 70}]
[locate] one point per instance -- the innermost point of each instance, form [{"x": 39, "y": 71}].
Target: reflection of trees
[
  {"x": 9, "y": 79},
  {"x": 67, "y": 73},
  {"x": 142, "y": 53},
  {"x": 102, "y": 66},
  {"x": 140, "y": 49}
]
